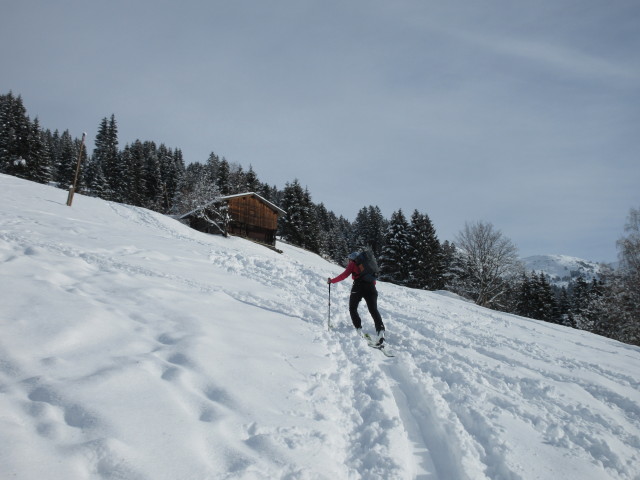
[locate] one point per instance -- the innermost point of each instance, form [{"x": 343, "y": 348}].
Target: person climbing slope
[{"x": 363, "y": 269}]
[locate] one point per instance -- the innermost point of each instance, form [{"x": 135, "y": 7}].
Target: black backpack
[{"x": 368, "y": 266}]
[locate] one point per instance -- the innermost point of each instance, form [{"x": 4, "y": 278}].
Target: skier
[{"x": 364, "y": 286}]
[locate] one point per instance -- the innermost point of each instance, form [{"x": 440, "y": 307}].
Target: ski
[
  {"x": 385, "y": 351},
  {"x": 373, "y": 344}
]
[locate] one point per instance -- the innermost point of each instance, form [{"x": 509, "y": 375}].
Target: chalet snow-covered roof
[{"x": 272, "y": 206}]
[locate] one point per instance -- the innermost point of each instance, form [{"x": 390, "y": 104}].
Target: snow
[
  {"x": 561, "y": 269},
  {"x": 132, "y": 347}
]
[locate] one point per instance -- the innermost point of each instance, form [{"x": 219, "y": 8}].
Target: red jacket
[{"x": 352, "y": 268}]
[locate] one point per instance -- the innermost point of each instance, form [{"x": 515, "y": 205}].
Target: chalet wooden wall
[
  {"x": 247, "y": 215},
  {"x": 251, "y": 211}
]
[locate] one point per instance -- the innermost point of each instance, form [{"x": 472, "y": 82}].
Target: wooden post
[{"x": 72, "y": 188}]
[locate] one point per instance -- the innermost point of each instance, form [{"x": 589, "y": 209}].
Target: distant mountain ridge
[{"x": 561, "y": 269}]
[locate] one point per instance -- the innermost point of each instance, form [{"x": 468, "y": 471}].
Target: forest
[{"x": 480, "y": 264}]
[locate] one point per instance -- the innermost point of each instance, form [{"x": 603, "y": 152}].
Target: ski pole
[{"x": 329, "y": 316}]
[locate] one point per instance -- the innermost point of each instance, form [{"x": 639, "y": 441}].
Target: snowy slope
[
  {"x": 132, "y": 347},
  {"x": 561, "y": 269}
]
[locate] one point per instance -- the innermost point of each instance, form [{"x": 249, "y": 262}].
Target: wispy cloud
[{"x": 560, "y": 58}]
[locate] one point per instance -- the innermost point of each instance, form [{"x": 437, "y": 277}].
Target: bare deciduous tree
[
  {"x": 487, "y": 262},
  {"x": 625, "y": 308},
  {"x": 629, "y": 246}
]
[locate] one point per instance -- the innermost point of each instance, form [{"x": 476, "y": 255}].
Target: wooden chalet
[{"x": 245, "y": 215}]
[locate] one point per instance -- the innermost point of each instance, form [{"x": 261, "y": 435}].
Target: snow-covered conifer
[{"x": 395, "y": 258}]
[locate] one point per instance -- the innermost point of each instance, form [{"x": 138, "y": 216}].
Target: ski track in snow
[{"x": 465, "y": 386}]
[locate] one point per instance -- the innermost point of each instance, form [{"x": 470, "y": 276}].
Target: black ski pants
[{"x": 368, "y": 291}]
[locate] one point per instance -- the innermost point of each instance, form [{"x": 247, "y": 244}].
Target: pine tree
[
  {"x": 131, "y": 187},
  {"x": 325, "y": 225},
  {"x": 223, "y": 177},
  {"x": 153, "y": 190},
  {"x": 172, "y": 170},
  {"x": 310, "y": 224},
  {"x": 65, "y": 158},
  {"x": 544, "y": 302},
  {"x": 53, "y": 146},
  {"x": 300, "y": 225},
  {"x": 106, "y": 155},
  {"x": 94, "y": 179},
  {"x": 251, "y": 182},
  {"x": 509, "y": 301},
  {"x": 270, "y": 193},
  {"x": 292, "y": 224},
  {"x": 339, "y": 246},
  {"x": 360, "y": 229},
  {"x": 579, "y": 302},
  {"x": 564, "y": 309},
  {"x": 378, "y": 226},
  {"x": 369, "y": 230},
  {"x": 395, "y": 258},
  {"x": 524, "y": 304},
  {"x": 38, "y": 159},
  {"x": 425, "y": 252},
  {"x": 447, "y": 263},
  {"x": 14, "y": 135},
  {"x": 332, "y": 235},
  {"x": 597, "y": 309},
  {"x": 213, "y": 167},
  {"x": 237, "y": 183}
]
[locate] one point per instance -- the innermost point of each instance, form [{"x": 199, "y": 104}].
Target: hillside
[
  {"x": 133, "y": 347},
  {"x": 561, "y": 269}
]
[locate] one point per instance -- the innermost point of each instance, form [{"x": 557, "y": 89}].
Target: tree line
[{"x": 481, "y": 264}]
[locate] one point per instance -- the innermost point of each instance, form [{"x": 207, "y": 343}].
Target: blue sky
[{"x": 522, "y": 114}]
